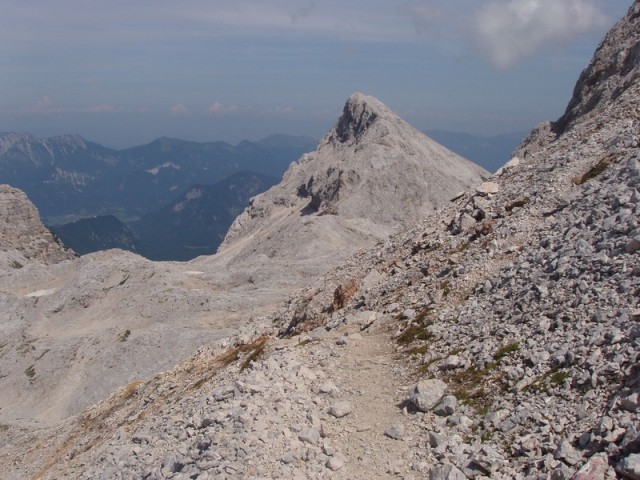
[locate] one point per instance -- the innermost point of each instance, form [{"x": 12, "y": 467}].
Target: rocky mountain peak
[
  {"x": 372, "y": 169},
  {"x": 359, "y": 113},
  {"x": 613, "y": 69}
]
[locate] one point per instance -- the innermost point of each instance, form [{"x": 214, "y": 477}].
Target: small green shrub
[
  {"x": 15, "y": 264},
  {"x": 30, "y": 371},
  {"x": 559, "y": 377}
]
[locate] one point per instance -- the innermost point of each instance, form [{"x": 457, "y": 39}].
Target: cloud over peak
[{"x": 510, "y": 30}]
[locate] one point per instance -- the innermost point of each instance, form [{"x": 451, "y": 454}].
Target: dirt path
[{"x": 374, "y": 380}]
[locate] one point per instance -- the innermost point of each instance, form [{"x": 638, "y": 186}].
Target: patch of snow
[
  {"x": 156, "y": 170},
  {"x": 41, "y": 293}
]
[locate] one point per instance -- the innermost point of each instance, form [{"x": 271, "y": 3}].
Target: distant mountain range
[{"x": 69, "y": 178}]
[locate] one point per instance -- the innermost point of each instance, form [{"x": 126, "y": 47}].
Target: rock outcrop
[
  {"x": 22, "y": 232},
  {"x": 612, "y": 71}
]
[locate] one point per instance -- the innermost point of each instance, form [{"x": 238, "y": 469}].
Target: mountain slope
[
  {"x": 495, "y": 339},
  {"x": 97, "y": 233}
]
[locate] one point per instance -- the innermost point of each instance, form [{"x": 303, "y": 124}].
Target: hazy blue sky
[{"x": 122, "y": 72}]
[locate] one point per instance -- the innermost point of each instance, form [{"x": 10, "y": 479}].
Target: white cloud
[
  {"x": 179, "y": 109},
  {"x": 221, "y": 108},
  {"x": 510, "y": 30},
  {"x": 46, "y": 106},
  {"x": 283, "y": 110}
]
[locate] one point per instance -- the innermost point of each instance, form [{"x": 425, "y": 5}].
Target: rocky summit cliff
[{"x": 497, "y": 338}]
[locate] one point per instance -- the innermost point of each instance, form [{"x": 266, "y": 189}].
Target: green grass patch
[
  {"x": 506, "y": 350},
  {"x": 596, "y": 170},
  {"x": 418, "y": 350},
  {"x": 413, "y": 333},
  {"x": 553, "y": 378},
  {"x": 469, "y": 386}
]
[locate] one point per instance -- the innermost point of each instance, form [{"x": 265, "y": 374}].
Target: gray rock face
[
  {"x": 612, "y": 70},
  {"x": 629, "y": 467},
  {"x": 22, "y": 231},
  {"x": 446, "y": 472},
  {"x": 340, "y": 409},
  {"x": 426, "y": 394}
]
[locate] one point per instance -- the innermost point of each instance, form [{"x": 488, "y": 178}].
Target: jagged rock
[
  {"x": 395, "y": 431},
  {"x": 310, "y": 435},
  {"x": 336, "y": 462},
  {"x": 447, "y": 406},
  {"x": 488, "y": 188},
  {"x": 426, "y": 394},
  {"x": 631, "y": 402},
  {"x": 594, "y": 469},
  {"x": 340, "y": 409},
  {"x": 21, "y": 230},
  {"x": 568, "y": 453},
  {"x": 629, "y": 467},
  {"x": 446, "y": 472}
]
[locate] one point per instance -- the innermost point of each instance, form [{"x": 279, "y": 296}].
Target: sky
[{"x": 123, "y": 72}]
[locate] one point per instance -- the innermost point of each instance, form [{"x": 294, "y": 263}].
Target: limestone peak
[{"x": 359, "y": 113}]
